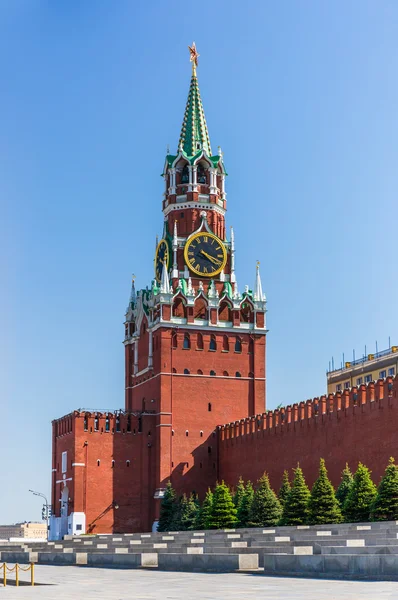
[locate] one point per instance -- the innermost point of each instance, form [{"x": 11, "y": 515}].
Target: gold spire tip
[{"x": 133, "y": 278}]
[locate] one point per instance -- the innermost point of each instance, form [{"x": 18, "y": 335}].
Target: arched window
[
  {"x": 187, "y": 342},
  {"x": 117, "y": 423},
  {"x": 237, "y": 374},
  {"x": 185, "y": 175},
  {"x": 127, "y": 463},
  {"x": 85, "y": 423},
  {"x": 128, "y": 428},
  {"x": 199, "y": 342},
  {"x": 209, "y": 407},
  {"x": 172, "y": 432},
  {"x": 201, "y": 434},
  {"x": 200, "y": 372},
  {"x": 213, "y": 343},
  {"x": 208, "y": 449},
  {"x": 201, "y": 174},
  {"x": 225, "y": 343},
  {"x": 212, "y": 373},
  {"x": 113, "y": 464},
  {"x": 225, "y": 373},
  {"x": 107, "y": 423},
  {"x": 174, "y": 340},
  {"x": 98, "y": 463},
  {"x": 96, "y": 423},
  {"x": 251, "y": 374},
  {"x": 186, "y": 371},
  {"x": 238, "y": 345},
  {"x": 187, "y": 433},
  {"x": 174, "y": 370}
]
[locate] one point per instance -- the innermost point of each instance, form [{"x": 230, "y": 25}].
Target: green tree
[
  {"x": 189, "y": 512},
  {"x": 345, "y": 485},
  {"x": 295, "y": 510},
  {"x": 323, "y": 504},
  {"x": 266, "y": 509},
  {"x": 223, "y": 512},
  {"x": 245, "y": 505},
  {"x": 239, "y": 492},
  {"x": 180, "y": 508},
  {"x": 385, "y": 504},
  {"x": 167, "y": 508},
  {"x": 360, "y": 497},
  {"x": 284, "y": 489},
  {"x": 204, "y": 513}
]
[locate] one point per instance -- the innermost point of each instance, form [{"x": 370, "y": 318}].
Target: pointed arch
[
  {"x": 179, "y": 307},
  {"x": 225, "y": 310},
  {"x": 238, "y": 344},
  {"x": 246, "y": 311},
  {"x": 200, "y": 308}
]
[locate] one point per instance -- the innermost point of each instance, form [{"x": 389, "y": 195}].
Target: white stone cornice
[{"x": 200, "y": 205}]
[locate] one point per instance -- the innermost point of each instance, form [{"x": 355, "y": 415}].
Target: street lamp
[{"x": 46, "y": 504}]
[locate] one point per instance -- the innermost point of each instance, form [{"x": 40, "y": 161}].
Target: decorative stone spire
[
  {"x": 233, "y": 279},
  {"x": 190, "y": 290},
  {"x": 258, "y": 288},
  {"x": 194, "y": 133},
  {"x": 133, "y": 295},
  {"x": 165, "y": 282}
]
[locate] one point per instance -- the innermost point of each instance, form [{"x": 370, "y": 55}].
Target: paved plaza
[{"x": 75, "y": 583}]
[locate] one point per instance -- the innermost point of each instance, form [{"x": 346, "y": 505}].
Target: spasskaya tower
[{"x": 194, "y": 344}]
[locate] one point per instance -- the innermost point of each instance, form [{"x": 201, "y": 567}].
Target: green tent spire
[{"x": 194, "y": 133}]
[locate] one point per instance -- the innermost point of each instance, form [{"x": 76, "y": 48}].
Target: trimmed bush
[
  {"x": 245, "y": 505},
  {"x": 323, "y": 504},
  {"x": 295, "y": 510},
  {"x": 345, "y": 485},
  {"x": 167, "y": 508},
  {"x": 223, "y": 512},
  {"x": 284, "y": 489},
  {"x": 204, "y": 514},
  {"x": 385, "y": 504},
  {"x": 360, "y": 497},
  {"x": 266, "y": 510}
]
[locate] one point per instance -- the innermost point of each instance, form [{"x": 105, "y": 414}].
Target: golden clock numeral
[
  {"x": 205, "y": 238},
  {"x": 213, "y": 268},
  {"x": 220, "y": 256},
  {"x": 205, "y": 270},
  {"x": 212, "y": 241},
  {"x": 192, "y": 260},
  {"x": 197, "y": 267},
  {"x": 218, "y": 247},
  {"x": 190, "y": 253}
]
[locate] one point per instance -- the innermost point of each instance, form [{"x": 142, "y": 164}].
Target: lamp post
[{"x": 46, "y": 504}]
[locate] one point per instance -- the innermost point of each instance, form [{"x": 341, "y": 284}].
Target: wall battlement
[{"x": 317, "y": 408}]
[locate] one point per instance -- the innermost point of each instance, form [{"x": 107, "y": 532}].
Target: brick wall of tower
[
  {"x": 95, "y": 487},
  {"x": 357, "y": 425}
]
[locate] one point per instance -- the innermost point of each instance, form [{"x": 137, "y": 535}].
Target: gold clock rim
[
  {"x": 156, "y": 256},
  {"x": 199, "y": 273}
]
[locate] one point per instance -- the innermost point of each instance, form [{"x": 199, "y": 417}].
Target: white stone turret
[
  {"x": 233, "y": 279},
  {"x": 174, "y": 273},
  {"x": 258, "y": 288},
  {"x": 165, "y": 282}
]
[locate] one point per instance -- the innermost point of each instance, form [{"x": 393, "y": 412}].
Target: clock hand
[{"x": 213, "y": 260}]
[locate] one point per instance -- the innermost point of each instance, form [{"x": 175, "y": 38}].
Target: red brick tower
[{"x": 194, "y": 345}]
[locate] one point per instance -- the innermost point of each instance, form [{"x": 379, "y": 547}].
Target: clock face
[
  {"x": 161, "y": 257},
  {"x": 205, "y": 254}
]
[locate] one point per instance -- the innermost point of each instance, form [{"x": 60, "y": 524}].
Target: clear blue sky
[{"x": 301, "y": 95}]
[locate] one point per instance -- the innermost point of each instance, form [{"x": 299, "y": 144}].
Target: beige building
[
  {"x": 31, "y": 531},
  {"x": 364, "y": 370}
]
